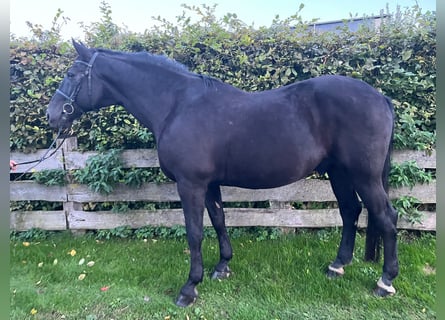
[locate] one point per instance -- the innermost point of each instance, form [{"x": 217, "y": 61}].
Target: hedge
[{"x": 398, "y": 58}]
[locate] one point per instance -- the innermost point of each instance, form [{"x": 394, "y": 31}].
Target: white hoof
[
  {"x": 390, "y": 289},
  {"x": 339, "y": 271}
]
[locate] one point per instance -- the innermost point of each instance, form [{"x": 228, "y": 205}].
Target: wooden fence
[{"x": 280, "y": 214}]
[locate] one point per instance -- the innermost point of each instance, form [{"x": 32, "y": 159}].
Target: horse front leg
[
  {"x": 216, "y": 212},
  {"x": 192, "y": 199}
]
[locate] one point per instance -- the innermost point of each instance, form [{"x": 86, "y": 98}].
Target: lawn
[{"x": 66, "y": 277}]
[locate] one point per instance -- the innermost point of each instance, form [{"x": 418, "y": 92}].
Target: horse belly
[{"x": 264, "y": 170}]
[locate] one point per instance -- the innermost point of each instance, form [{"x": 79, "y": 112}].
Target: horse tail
[
  {"x": 373, "y": 237},
  {"x": 387, "y": 166}
]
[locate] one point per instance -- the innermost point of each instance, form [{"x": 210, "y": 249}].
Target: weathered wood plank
[
  {"x": 421, "y": 157},
  {"x": 148, "y": 192},
  {"x": 301, "y": 191},
  {"x": 46, "y": 220},
  {"x": 55, "y": 162},
  {"x": 135, "y": 219},
  {"x": 425, "y": 193},
  {"x": 147, "y": 158},
  {"x": 31, "y": 190},
  {"x": 139, "y": 158},
  {"x": 234, "y": 217}
]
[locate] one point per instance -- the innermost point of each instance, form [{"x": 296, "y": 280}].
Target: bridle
[{"x": 68, "y": 107}]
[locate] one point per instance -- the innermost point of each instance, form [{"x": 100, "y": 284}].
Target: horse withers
[{"x": 211, "y": 134}]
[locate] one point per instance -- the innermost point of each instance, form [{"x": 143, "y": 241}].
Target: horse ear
[{"x": 82, "y": 50}]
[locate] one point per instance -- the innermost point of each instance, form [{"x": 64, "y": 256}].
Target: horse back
[{"x": 272, "y": 138}]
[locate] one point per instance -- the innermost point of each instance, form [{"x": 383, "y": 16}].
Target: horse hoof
[
  {"x": 380, "y": 292},
  {"x": 333, "y": 272},
  {"x": 383, "y": 290},
  {"x": 185, "y": 300},
  {"x": 220, "y": 275}
]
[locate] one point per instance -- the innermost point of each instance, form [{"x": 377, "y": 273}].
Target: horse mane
[{"x": 145, "y": 57}]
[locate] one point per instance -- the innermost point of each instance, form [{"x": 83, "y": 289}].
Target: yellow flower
[
  {"x": 26, "y": 244},
  {"x": 72, "y": 252},
  {"x": 33, "y": 311}
]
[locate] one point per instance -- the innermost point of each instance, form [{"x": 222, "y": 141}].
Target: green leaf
[{"x": 406, "y": 55}]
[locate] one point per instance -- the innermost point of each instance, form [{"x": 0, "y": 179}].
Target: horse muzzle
[{"x": 61, "y": 122}]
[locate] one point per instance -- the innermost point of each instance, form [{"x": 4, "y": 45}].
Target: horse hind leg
[
  {"x": 384, "y": 219},
  {"x": 216, "y": 212},
  {"x": 350, "y": 209}
]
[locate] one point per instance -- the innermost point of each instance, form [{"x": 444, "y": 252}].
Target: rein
[{"x": 44, "y": 157}]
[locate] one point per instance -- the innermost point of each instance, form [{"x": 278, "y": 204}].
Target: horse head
[{"x": 75, "y": 94}]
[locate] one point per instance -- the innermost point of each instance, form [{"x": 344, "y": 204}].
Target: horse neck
[{"x": 147, "y": 91}]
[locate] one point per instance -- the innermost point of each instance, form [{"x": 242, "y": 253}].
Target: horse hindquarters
[{"x": 382, "y": 217}]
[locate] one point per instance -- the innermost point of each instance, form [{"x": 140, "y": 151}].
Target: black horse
[{"x": 209, "y": 133}]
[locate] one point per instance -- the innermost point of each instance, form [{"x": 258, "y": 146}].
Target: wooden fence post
[{"x": 70, "y": 144}]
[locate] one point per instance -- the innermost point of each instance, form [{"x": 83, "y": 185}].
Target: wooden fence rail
[{"x": 72, "y": 196}]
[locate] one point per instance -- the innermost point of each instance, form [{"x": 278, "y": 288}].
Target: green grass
[{"x": 273, "y": 279}]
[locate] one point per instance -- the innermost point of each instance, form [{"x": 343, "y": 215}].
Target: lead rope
[{"x": 42, "y": 158}]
